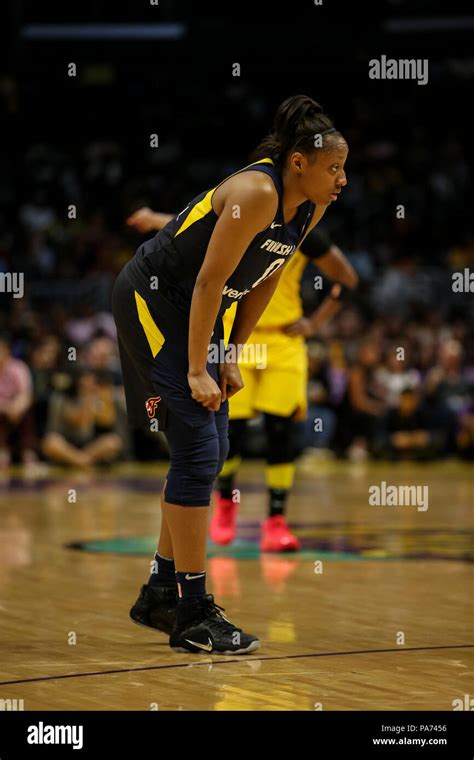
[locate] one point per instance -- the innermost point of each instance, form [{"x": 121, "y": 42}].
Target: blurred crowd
[
  {"x": 384, "y": 388},
  {"x": 387, "y": 397},
  {"x": 391, "y": 377}
]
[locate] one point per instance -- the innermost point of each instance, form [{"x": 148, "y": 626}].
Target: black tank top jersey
[{"x": 176, "y": 253}]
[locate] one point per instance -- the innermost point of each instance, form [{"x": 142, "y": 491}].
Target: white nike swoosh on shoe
[
  {"x": 206, "y": 647},
  {"x": 193, "y": 577},
  {"x": 273, "y": 225}
]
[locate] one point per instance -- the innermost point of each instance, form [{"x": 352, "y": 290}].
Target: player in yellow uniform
[{"x": 274, "y": 370}]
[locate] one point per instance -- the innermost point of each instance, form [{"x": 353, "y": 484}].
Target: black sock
[
  {"x": 191, "y": 584},
  {"x": 225, "y": 486},
  {"x": 278, "y": 498},
  {"x": 162, "y": 571}
]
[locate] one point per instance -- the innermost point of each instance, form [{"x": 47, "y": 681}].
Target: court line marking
[{"x": 238, "y": 659}]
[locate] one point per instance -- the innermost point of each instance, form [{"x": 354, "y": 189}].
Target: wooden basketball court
[{"x": 376, "y": 612}]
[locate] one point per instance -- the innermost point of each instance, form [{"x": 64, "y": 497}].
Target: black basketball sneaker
[
  {"x": 156, "y": 607},
  {"x": 201, "y": 626}
]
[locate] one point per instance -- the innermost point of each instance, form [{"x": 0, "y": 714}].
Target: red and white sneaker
[
  {"x": 222, "y": 528},
  {"x": 277, "y": 537}
]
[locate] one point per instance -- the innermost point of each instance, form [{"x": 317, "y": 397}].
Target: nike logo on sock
[
  {"x": 193, "y": 577},
  {"x": 207, "y": 647}
]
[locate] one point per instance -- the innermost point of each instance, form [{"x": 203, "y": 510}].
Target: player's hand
[
  {"x": 302, "y": 326},
  {"x": 230, "y": 379},
  {"x": 142, "y": 220},
  {"x": 205, "y": 390}
]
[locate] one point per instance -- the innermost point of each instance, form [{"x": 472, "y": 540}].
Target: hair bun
[
  {"x": 296, "y": 121},
  {"x": 314, "y": 108}
]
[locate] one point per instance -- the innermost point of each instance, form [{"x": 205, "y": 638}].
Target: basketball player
[
  {"x": 229, "y": 244},
  {"x": 276, "y": 389}
]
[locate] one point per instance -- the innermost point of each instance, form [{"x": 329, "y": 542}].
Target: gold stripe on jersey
[
  {"x": 153, "y": 334},
  {"x": 205, "y": 205},
  {"x": 200, "y": 209}
]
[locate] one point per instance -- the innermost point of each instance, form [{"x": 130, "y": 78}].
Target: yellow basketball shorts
[{"x": 274, "y": 368}]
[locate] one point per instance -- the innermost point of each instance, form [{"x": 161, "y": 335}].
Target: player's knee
[
  {"x": 280, "y": 439},
  {"x": 192, "y": 471},
  {"x": 237, "y": 430}
]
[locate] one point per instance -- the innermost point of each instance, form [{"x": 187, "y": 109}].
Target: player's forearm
[
  {"x": 336, "y": 267},
  {"x": 205, "y": 303},
  {"x": 250, "y": 309},
  {"x": 331, "y": 304},
  {"x": 324, "y": 313}
]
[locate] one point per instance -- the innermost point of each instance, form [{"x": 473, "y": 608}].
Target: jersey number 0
[{"x": 269, "y": 270}]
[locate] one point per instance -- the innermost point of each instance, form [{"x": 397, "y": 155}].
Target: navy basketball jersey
[{"x": 176, "y": 253}]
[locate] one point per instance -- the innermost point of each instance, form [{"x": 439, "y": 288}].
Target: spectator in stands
[
  {"x": 447, "y": 389},
  {"x": 85, "y": 425},
  {"x": 363, "y": 407},
  {"x": 465, "y": 433},
  {"x": 44, "y": 362},
  {"x": 446, "y": 381},
  {"x": 396, "y": 374},
  {"x": 101, "y": 354},
  {"x": 321, "y": 419},
  {"x": 16, "y": 396},
  {"x": 408, "y": 428}
]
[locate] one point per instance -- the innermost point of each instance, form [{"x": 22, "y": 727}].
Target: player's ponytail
[{"x": 299, "y": 124}]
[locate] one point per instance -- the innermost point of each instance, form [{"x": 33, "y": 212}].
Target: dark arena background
[{"x": 107, "y": 107}]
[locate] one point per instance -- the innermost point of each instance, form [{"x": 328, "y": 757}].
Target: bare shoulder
[{"x": 250, "y": 188}]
